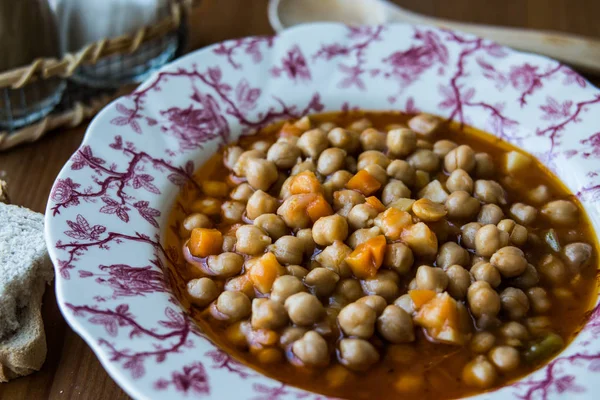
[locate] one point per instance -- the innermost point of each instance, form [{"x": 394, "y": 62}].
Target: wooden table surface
[{"x": 71, "y": 370}]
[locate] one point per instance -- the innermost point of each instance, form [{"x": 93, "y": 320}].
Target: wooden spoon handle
[{"x": 581, "y": 52}]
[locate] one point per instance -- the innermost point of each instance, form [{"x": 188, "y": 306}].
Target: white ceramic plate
[{"x": 107, "y": 211}]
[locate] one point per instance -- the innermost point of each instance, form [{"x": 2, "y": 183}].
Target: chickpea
[
  {"x": 344, "y": 200},
  {"x": 304, "y": 309},
  {"x": 421, "y": 240},
  {"x": 401, "y": 142},
  {"x": 357, "y": 354},
  {"x": 285, "y": 286},
  {"x": 425, "y": 124},
  {"x": 523, "y": 213},
  {"x": 305, "y": 235},
  {"x": 195, "y": 220},
  {"x": 431, "y": 278},
  {"x": 242, "y": 192},
  {"x": 468, "y": 233},
  {"x": 293, "y": 211},
  {"x": 311, "y": 349},
  {"x": 349, "y": 289},
  {"x": 577, "y": 256},
  {"x": 553, "y": 270},
  {"x": 232, "y": 211},
  {"x": 234, "y": 305},
  {"x": 339, "y": 179},
  {"x": 483, "y": 300},
  {"x": 372, "y": 157},
  {"x": 402, "y": 171},
  {"x": 361, "y": 216},
  {"x": 462, "y": 157},
  {"x": 284, "y": 154},
  {"x": 202, "y": 291},
  {"x": 490, "y": 214},
  {"x": 484, "y": 166},
  {"x": 226, "y": 264},
  {"x": 290, "y": 334},
  {"x": 422, "y": 179},
  {"x": 231, "y": 156},
  {"x": 510, "y": 261},
  {"x": 527, "y": 279},
  {"x": 207, "y": 205},
  {"x": 480, "y": 373},
  {"x": 344, "y": 139},
  {"x": 489, "y": 192},
  {"x": 484, "y": 271},
  {"x": 312, "y": 143},
  {"x": 333, "y": 257},
  {"x": 396, "y": 325},
  {"x": 514, "y": 302},
  {"x": 329, "y": 229},
  {"x": 539, "y": 195},
  {"x": 518, "y": 233},
  {"x": 384, "y": 284},
  {"x": 451, "y": 253},
  {"x": 351, "y": 164},
  {"x": 461, "y": 205},
  {"x": 398, "y": 257},
  {"x": 260, "y": 173},
  {"x": 357, "y": 319},
  {"x": 459, "y": 281},
  {"x": 242, "y": 284},
  {"x": 261, "y": 145},
  {"x": 482, "y": 342},
  {"x": 251, "y": 240},
  {"x": 459, "y": 180},
  {"x": 331, "y": 160},
  {"x": 539, "y": 300},
  {"x": 489, "y": 239},
  {"x": 378, "y": 172},
  {"x": 372, "y": 139},
  {"x": 272, "y": 225},
  {"x": 405, "y": 302},
  {"x": 297, "y": 271},
  {"x": 425, "y": 160},
  {"x": 393, "y": 191},
  {"x": 362, "y": 235},
  {"x": 322, "y": 281},
  {"x": 288, "y": 250},
  {"x": 261, "y": 203},
  {"x": 539, "y": 325},
  {"x": 228, "y": 243},
  {"x": 268, "y": 314},
  {"x": 514, "y": 333},
  {"x": 307, "y": 165},
  {"x": 443, "y": 147},
  {"x": 377, "y": 303},
  {"x": 561, "y": 212},
  {"x": 505, "y": 358}
]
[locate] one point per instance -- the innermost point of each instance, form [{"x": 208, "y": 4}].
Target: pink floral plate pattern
[{"x": 107, "y": 212}]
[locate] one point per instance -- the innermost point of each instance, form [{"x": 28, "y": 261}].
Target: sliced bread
[{"x": 24, "y": 271}]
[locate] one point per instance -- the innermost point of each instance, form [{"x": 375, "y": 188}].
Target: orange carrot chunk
[
  {"x": 317, "y": 208},
  {"x": 264, "y": 271},
  {"x": 375, "y": 203},
  {"x": 305, "y": 182},
  {"x": 366, "y": 259},
  {"x": 363, "y": 182},
  {"x": 421, "y": 296},
  {"x": 205, "y": 242}
]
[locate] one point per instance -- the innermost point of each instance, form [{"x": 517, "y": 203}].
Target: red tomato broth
[{"x": 440, "y": 364}]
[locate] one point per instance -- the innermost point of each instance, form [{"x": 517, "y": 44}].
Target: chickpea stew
[{"x": 368, "y": 255}]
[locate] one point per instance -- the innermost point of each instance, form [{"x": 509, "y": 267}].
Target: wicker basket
[{"x": 79, "y": 102}]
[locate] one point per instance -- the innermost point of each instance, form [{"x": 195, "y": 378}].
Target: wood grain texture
[{"x": 71, "y": 370}]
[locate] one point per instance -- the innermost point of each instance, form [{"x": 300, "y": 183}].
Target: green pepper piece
[{"x": 541, "y": 350}]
